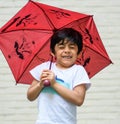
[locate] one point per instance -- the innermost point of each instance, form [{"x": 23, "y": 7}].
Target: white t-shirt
[{"x": 53, "y": 109}]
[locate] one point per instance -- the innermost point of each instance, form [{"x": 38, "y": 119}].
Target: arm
[
  {"x": 36, "y": 87},
  {"x": 34, "y": 90},
  {"x": 75, "y": 96}
]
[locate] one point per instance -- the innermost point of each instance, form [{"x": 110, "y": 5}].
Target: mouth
[{"x": 67, "y": 57}]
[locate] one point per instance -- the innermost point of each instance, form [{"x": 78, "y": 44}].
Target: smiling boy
[{"x": 68, "y": 81}]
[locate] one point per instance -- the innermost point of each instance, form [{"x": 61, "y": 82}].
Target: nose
[{"x": 66, "y": 49}]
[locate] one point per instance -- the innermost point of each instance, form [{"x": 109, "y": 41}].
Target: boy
[{"x": 68, "y": 81}]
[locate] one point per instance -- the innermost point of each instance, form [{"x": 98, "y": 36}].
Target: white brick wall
[{"x": 102, "y": 104}]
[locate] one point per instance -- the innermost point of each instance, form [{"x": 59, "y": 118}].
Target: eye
[
  {"x": 72, "y": 46},
  {"x": 61, "y": 46}
]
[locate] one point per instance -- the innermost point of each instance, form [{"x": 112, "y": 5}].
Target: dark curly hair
[{"x": 67, "y": 33}]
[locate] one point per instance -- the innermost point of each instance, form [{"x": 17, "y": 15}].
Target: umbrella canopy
[{"x": 25, "y": 39}]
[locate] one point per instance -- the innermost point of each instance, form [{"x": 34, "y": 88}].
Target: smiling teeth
[{"x": 68, "y": 57}]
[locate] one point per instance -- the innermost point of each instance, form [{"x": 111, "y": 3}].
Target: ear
[{"x": 52, "y": 54}]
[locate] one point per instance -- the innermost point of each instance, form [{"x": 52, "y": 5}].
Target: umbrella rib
[
  {"x": 107, "y": 58},
  {"x": 32, "y": 60},
  {"x": 77, "y": 20},
  {"x": 25, "y": 30},
  {"x": 49, "y": 21}
]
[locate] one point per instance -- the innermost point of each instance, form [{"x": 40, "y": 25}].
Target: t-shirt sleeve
[
  {"x": 81, "y": 77},
  {"x": 36, "y": 72}
]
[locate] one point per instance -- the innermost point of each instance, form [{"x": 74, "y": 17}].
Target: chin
[{"x": 67, "y": 65}]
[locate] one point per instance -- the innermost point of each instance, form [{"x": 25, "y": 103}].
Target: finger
[{"x": 45, "y": 70}]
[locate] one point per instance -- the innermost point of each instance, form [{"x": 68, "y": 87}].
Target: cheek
[
  {"x": 75, "y": 55},
  {"x": 58, "y": 54}
]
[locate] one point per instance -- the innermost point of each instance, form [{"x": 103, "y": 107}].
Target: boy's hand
[{"x": 48, "y": 75}]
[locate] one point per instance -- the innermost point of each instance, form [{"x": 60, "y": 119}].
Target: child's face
[{"x": 66, "y": 54}]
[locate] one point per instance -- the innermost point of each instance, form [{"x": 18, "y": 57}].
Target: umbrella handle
[
  {"x": 51, "y": 63},
  {"x": 46, "y": 82}
]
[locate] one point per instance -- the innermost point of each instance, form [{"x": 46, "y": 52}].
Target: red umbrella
[{"x": 24, "y": 40}]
